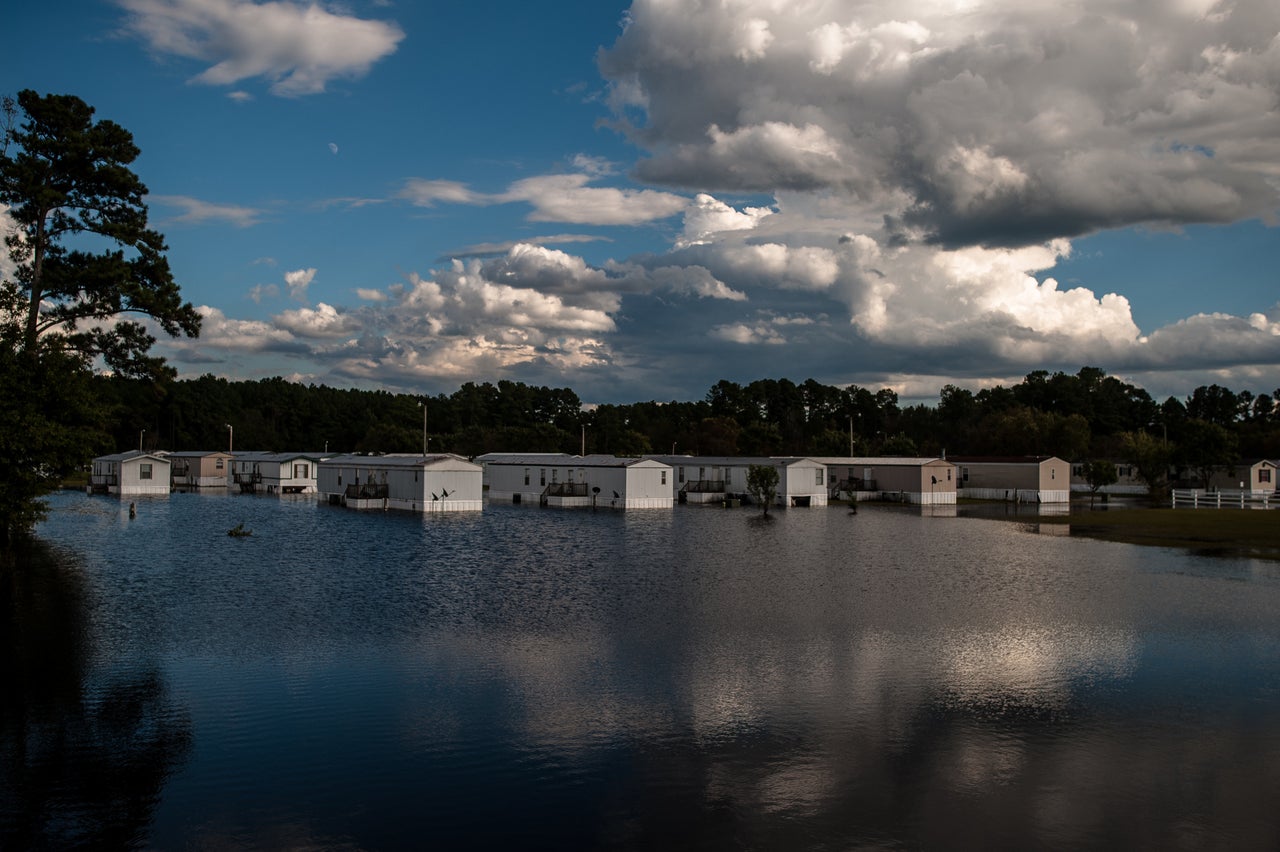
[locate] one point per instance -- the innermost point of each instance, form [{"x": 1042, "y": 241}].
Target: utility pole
[
  {"x": 425, "y": 440},
  {"x": 140, "y": 435},
  {"x": 231, "y": 439},
  {"x": 851, "y": 437}
]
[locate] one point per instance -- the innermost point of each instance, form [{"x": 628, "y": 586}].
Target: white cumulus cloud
[
  {"x": 298, "y": 281},
  {"x": 323, "y": 321},
  {"x": 568, "y": 198},
  {"x": 708, "y": 216},
  {"x": 299, "y": 48},
  {"x": 557, "y": 198}
]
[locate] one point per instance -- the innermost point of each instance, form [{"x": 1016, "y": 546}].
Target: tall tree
[
  {"x": 1150, "y": 457},
  {"x": 66, "y": 182},
  {"x": 69, "y": 176},
  {"x": 1206, "y": 448},
  {"x": 1214, "y": 404},
  {"x": 1099, "y": 473}
]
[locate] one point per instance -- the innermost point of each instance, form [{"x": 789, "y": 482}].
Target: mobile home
[
  {"x": 1127, "y": 480},
  {"x": 129, "y": 474},
  {"x": 1252, "y": 476},
  {"x": 713, "y": 479},
  {"x": 924, "y": 481},
  {"x": 416, "y": 483},
  {"x": 200, "y": 468},
  {"x": 275, "y": 473},
  {"x": 1018, "y": 479},
  {"x": 564, "y": 481}
]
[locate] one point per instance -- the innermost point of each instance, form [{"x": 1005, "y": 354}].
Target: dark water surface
[{"x": 531, "y": 678}]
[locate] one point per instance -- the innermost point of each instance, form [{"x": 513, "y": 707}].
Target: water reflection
[
  {"x": 687, "y": 679},
  {"x": 1006, "y": 509},
  {"x": 84, "y": 753}
]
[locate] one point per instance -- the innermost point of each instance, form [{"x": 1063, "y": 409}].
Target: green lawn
[{"x": 1245, "y": 532}]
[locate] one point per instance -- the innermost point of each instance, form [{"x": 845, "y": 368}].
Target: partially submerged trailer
[
  {"x": 414, "y": 483},
  {"x": 565, "y": 481},
  {"x": 129, "y": 474}
]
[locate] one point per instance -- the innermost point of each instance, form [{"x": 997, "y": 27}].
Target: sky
[{"x": 638, "y": 201}]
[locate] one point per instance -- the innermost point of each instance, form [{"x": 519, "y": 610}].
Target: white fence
[{"x": 1196, "y": 498}]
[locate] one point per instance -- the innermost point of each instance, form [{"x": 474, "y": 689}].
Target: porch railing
[
  {"x": 367, "y": 491},
  {"x": 566, "y": 489}
]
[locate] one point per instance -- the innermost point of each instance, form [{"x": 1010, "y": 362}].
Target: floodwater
[{"x": 686, "y": 679}]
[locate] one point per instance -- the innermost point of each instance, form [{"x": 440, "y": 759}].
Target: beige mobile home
[
  {"x": 1252, "y": 476},
  {"x": 712, "y": 479},
  {"x": 129, "y": 474},
  {"x": 275, "y": 473},
  {"x": 565, "y": 481},
  {"x": 200, "y": 469},
  {"x": 924, "y": 481},
  {"x": 1019, "y": 479}
]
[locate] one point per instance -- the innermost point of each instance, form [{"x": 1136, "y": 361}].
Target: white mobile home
[
  {"x": 542, "y": 458},
  {"x": 924, "y": 481},
  {"x": 1018, "y": 479},
  {"x": 416, "y": 483},
  {"x": 712, "y": 479},
  {"x": 562, "y": 480},
  {"x": 200, "y": 468},
  {"x": 1127, "y": 480},
  {"x": 129, "y": 474},
  {"x": 275, "y": 473}
]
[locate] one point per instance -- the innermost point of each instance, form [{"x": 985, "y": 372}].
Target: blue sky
[{"x": 637, "y": 201}]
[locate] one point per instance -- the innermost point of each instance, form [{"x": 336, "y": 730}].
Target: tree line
[{"x": 1076, "y": 417}]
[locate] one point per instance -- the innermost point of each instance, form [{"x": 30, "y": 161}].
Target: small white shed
[
  {"x": 129, "y": 474},
  {"x": 416, "y": 483}
]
